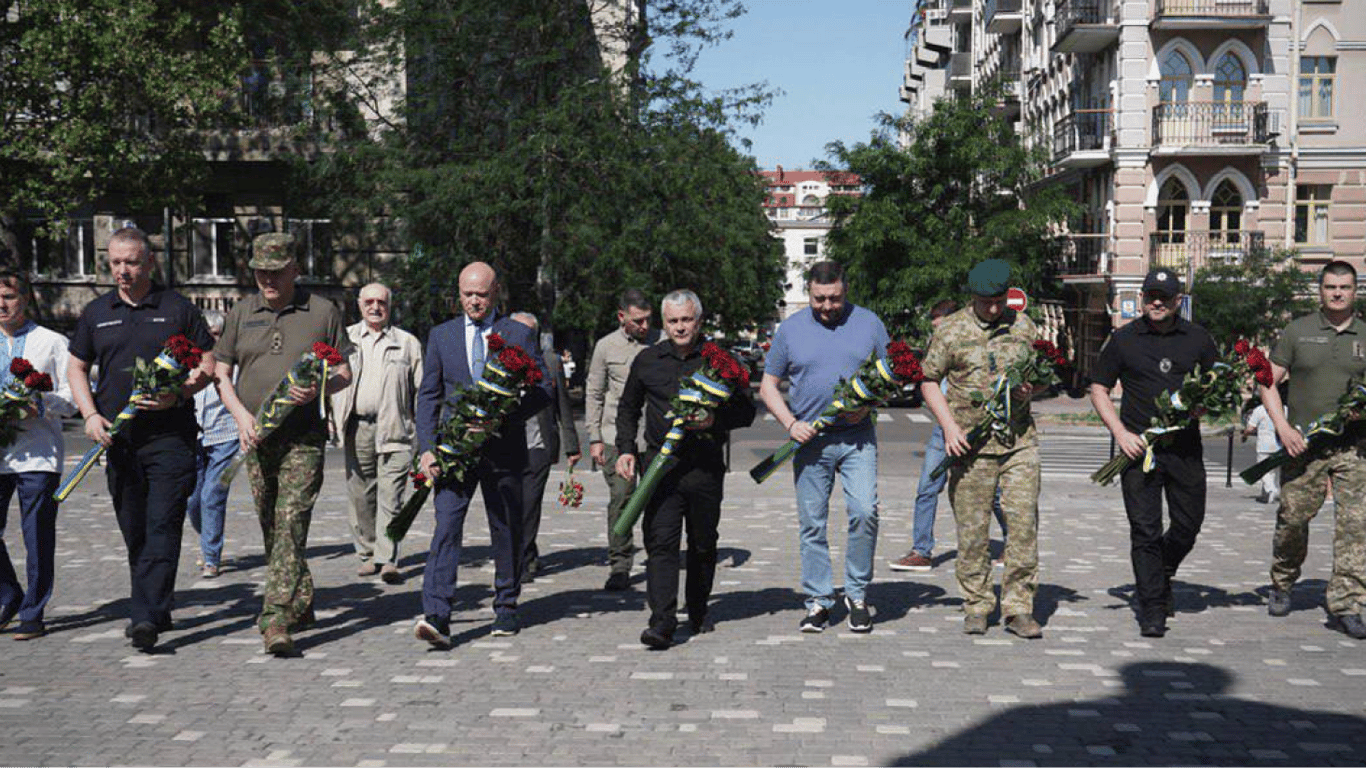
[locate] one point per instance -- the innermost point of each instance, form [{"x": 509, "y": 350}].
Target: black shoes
[
  {"x": 1154, "y": 627},
  {"x": 702, "y": 626},
  {"x": 434, "y": 630},
  {"x": 143, "y": 634},
  {"x": 506, "y": 625},
  {"x": 656, "y": 639},
  {"x": 815, "y": 620},
  {"x": 860, "y": 618},
  {"x": 619, "y": 581}
]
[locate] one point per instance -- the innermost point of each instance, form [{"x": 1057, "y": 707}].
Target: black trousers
[
  {"x": 150, "y": 482},
  {"x": 691, "y": 498},
  {"x": 1156, "y": 554},
  {"x": 533, "y": 495}
]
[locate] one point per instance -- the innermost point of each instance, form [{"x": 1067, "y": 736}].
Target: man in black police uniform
[
  {"x": 691, "y": 492},
  {"x": 151, "y": 462},
  {"x": 1148, "y": 356}
]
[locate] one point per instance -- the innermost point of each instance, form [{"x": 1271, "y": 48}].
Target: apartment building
[
  {"x": 795, "y": 204},
  {"x": 1189, "y": 131}
]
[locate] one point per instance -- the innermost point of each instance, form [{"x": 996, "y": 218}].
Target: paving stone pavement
[{"x": 1228, "y": 685}]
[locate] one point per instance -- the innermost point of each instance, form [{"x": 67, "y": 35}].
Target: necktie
[{"x": 477, "y": 353}]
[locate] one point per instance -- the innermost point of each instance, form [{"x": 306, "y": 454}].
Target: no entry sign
[{"x": 1017, "y": 299}]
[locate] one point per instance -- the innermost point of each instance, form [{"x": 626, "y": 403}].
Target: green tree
[
  {"x": 106, "y": 96},
  {"x": 514, "y": 143},
  {"x": 1251, "y": 298},
  {"x": 964, "y": 189}
]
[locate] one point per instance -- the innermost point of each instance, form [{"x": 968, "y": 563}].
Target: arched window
[
  {"x": 1230, "y": 79},
  {"x": 1173, "y": 211},
  {"x": 1177, "y": 77},
  {"x": 1226, "y": 213}
]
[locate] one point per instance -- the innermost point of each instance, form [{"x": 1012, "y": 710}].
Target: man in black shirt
[
  {"x": 151, "y": 461},
  {"x": 691, "y": 491},
  {"x": 1148, "y": 356}
]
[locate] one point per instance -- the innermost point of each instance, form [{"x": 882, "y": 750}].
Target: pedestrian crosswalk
[{"x": 1076, "y": 456}]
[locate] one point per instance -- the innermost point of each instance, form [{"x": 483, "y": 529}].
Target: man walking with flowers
[
  {"x": 970, "y": 351},
  {"x": 457, "y": 351},
  {"x": 1323, "y": 354},
  {"x": 690, "y": 489},
  {"x": 264, "y": 337},
  {"x": 1149, "y": 356},
  {"x": 815, "y": 350},
  {"x": 151, "y": 461}
]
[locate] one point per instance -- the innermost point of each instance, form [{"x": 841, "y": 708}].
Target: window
[
  {"x": 1177, "y": 76},
  {"x": 1230, "y": 80},
  {"x": 1316, "y": 87},
  {"x": 1226, "y": 213},
  {"x": 212, "y": 247},
  {"x": 1173, "y": 208},
  {"x": 69, "y": 254},
  {"x": 811, "y": 246},
  {"x": 313, "y": 239},
  {"x": 1311, "y": 213}
]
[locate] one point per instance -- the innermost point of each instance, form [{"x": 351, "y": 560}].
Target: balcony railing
[
  {"x": 1210, "y": 124},
  {"x": 1189, "y": 251},
  {"x": 1002, "y": 16},
  {"x": 1213, "y": 8},
  {"x": 1083, "y": 254},
  {"x": 1083, "y": 130}
]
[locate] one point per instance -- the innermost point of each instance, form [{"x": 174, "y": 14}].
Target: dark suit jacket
[{"x": 446, "y": 371}]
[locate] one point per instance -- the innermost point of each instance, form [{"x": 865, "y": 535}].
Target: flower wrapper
[
  {"x": 1321, "y": 433},
  {"x": 1215, "y": 392},
  {"x": 166, "y": 373},
  {"x": 877, "y": 380},
  {"x": 571, "y": 491},
  {"x": 1041, "y": 369},
  {"x": 487, "y": 404},
  {"x": 700, "y": 393},
  {"x": 312, "y": 368},
  {"x": 25, "y": 388}
]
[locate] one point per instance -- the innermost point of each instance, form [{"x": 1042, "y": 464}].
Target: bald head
[
  {"x": 478, "y": 290},
  {"x": 375, "y": 306}
]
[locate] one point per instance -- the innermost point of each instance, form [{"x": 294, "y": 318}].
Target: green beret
[
  {"x": 273, "y": 250},
  {"x": 990, "y": 278}
]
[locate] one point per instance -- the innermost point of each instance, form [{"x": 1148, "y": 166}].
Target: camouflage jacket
[{"x": 968, "y": 355}]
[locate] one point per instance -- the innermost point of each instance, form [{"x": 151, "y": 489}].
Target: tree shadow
[{"x": 1169, "y": 713}]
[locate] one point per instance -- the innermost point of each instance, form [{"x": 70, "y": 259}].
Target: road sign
[{"x": 1017, "y": 299}]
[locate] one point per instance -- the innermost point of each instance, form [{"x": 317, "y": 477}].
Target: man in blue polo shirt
[{"x": 814, "y": 350}]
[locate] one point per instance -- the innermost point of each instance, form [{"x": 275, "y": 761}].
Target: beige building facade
[{"x": 1189, "y": 131}]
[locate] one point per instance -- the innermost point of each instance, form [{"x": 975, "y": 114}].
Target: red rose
[
  {"x": 419, "y": 480},
  {"x": 38, "y": 381},
  {"x": 533, "y": 374},
  {"x": 1256, "y": 360},
  {"x": 19, "y": 367},
  {"x": 1264, "y": 377},
  {"x": 496, "y": 342},
  {"x": 1241, "y": 346}
]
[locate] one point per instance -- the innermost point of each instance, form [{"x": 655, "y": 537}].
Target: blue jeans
[
  {"x": 927, "y": 497},
  {"x": 38, "y": 521},
  {"x": 208, "y": 504},
  {"x": 852, "y": 454}
]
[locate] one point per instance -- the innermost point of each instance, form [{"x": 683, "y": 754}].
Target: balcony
[
  {"x": 960, "y": 70},
  {"x": 960, "y": 10},
  {"x": 1084, "y": 26},
  {"x": 1211, "y": 14},
  {"x": 1188, "y": 252},
  {"x": 1082, "y": 139},
  {"x": 1003, "y": 16},
  {"x": 1210, "y": 128},
  {"x": 1083, "y": 255}
]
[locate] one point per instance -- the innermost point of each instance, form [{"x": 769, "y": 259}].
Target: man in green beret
[
  {"x": 263, "y": 337},
  {"x": 969, "y": 351}
]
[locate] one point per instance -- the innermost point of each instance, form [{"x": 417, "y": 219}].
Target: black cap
[{"x": 1164, "y": 280}]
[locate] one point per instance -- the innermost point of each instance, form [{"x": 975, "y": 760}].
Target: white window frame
[
  {"x": 308, "y": 257},
  {"x": 215, "y": 256}
]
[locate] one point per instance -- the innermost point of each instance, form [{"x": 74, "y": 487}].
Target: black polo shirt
[
  {"x": 652, "y": 383},
  {"x": 1147, "y": 362},
  {"x": 112, "y": 334}
]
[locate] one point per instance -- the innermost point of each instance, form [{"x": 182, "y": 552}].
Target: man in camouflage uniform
[
  {"x": 1321, "y": 353},
  {"x": 263, "y": 337},
  {"x": 970, "y": 350}
]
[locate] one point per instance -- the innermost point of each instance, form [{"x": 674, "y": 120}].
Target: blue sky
[{"x": 838, "y": 63}]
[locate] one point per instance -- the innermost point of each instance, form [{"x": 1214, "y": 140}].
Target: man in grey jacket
[{"x": 374, "y": 419}]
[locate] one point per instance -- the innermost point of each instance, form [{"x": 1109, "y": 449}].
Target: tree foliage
[
  {"x": 1251, "y": 298},
  {"x": 515, "y": 144},
  {"x": 964, "y": 189},
  {"x": 100, "y": 96}
]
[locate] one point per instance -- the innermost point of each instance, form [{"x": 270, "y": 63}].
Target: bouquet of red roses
[
  {"x": 699, "y": 394},
  {"x": 876, "y": 381},
  {"x": 311, "y": 369},
  {"x": 1321, "y": 432},
  {"x": 166, "y": 373},
  {"x": 24, "y": 389},
  {"x": 571, "y": 491},
  {"x": 1216, "y": 392},
  {"x": 507, "y": 375}
]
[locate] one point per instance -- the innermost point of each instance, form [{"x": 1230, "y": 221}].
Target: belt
[{"x": 367, "y": 419}]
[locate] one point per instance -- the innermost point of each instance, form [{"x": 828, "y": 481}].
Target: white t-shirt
[{"x": 39, "y": 447}]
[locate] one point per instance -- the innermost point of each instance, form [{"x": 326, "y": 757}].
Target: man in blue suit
[{"x": 454, "y": 360}]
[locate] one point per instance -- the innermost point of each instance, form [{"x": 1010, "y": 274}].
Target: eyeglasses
[{"x": 1150, "y": 297}]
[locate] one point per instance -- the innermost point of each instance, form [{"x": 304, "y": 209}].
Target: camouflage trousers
[
  {"x": 1303, "y": 488},
  {"x": 972, "y": 486},
  {"x": 286, "y": 474}
]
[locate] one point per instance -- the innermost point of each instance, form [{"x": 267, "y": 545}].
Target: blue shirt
[{"x": 814, "y": 356}]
